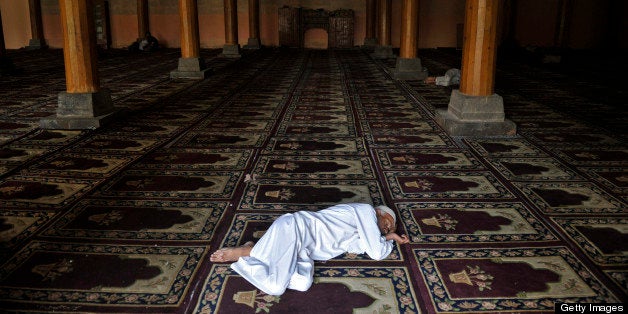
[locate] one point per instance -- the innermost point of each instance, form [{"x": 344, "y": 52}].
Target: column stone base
[
  {"x": 475, "y": 116},
  {"x": 231, "y": 51},
  {"x": 253, "y": 43},
  {"x": 370, "y": 43},
  {"x": 81, "y": 111},
  {"x": 383, "y": 52},
  {"x": 409, "y": 69},
  {"x": 190, "y": 68},
  {"x": 35, "y": 44}
]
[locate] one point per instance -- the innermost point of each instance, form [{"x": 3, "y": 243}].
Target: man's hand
[{"x": 403, "y": 239}]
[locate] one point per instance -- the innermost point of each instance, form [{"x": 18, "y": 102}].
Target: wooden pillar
[
  {"x": 231, "y": 22},
  {"x": 479, "y": 51},
  {"x": 79, "y": 46},
  {"x": 190, "y": 45},
  {"x": 6, "y": 65},
  {"x": 563, "y": 24},
  {"x": 384, "y": 49},
  {"x": 142, "y": 18},
  {"x": 191, "y": 66},
  {"x": 3, "y": 49},
  {"x": 231, "y": 48},
  {"x": 408, "y": 66},
  {"x": 84, "y": 105},
  {"x": 383, "y": 22},
  {"x": 254, "y": 40},
  {"x": 370, "y": 40},
  {"x": 475, "y": 110},
  {"x": 409, "y": 28},
  {"x": 37, "y": 29}
]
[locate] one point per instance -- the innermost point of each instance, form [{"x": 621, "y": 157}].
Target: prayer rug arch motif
[
  {"x": 600, "y": 238},
  {"x": 465, "y": 279},
  {"x": 18, "y": 225},
  {"x": 190, "y": 221},
  {"x": 160, "y": 274},
  {"x": 358, "y": 290},
  {"x": 292, "y": 195},
  {"x": 447, "y": 185},
  {"x": 570, "y": 197},
  {"x": 471, "y": 222},
  {"x": 533, "y": 169},
  {"x": 427, "y": 159},
  {"x": 34, "y": 192},
  {"x": 172, "y": 184},
  {"x": 307, "y": 167}
]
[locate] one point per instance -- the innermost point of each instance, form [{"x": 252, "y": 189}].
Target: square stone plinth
[
  {"x": 190, "y": 68},
  {"x": 475, "y": 116},
  {"x": 409, "y": 69},
  {"x": 476, "y": 108},
  {"x": 456, "y": 127},
  {"x": 84, "y": 104},
  {"x": 253, "y": 43},
  {"x": 77, "y": 123},
  {"x": 383, "y": 52},
  {"x": 230, "y": 51},
  {"x": 80, "y": 111}
]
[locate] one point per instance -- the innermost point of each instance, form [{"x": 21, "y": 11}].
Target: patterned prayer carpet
[{"x": 122, "y": 219}]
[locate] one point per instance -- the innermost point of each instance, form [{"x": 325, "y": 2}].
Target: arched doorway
[
  {"x": 319, "y": 26},
  {"x": 316, "y": 38}
]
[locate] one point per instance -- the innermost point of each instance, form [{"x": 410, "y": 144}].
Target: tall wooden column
[
  {"x": 254, "y": 40},
  {"x": 84, "y": 105},
  {"x": 231, "y": 49},
  {"x": 475, "y": 110},
  {"x": 370, "y": 40},
  {"x": 37, "y": 29},
  {"x": 3, "y": 49},
  {"x": 409, "y": 28},
  {"x": 142, "y": 18},
  {"x": 383, "y": 22},
  {"x": 408, "y": 65},
  {"x": 191, "y": 65},
  {"x": 6, "y": 65},
  {"x": 384, "y": 49},
  {"x": 563, "y": 23}
]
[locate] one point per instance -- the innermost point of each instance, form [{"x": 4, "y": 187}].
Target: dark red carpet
[{"x": 122, "y": 219}]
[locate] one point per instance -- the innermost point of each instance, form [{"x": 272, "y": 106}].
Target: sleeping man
[{"x": 284, "y": 256}]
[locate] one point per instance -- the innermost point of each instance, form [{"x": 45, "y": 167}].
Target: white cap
[{"x": 389, "y": 211}]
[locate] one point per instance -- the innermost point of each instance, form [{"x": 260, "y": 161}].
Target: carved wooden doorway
[{"x": 294, "y": 22}]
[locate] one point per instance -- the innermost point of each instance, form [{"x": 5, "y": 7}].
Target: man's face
[{"x": 385, "y": 222}]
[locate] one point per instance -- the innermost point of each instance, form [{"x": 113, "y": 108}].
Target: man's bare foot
[{"x": 231, "y": 254}]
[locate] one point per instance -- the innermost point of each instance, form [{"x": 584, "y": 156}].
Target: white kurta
[{"x": 284, "y": 257}]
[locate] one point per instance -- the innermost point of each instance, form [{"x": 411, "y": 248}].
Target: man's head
[{"x": 386, "y": 219}]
